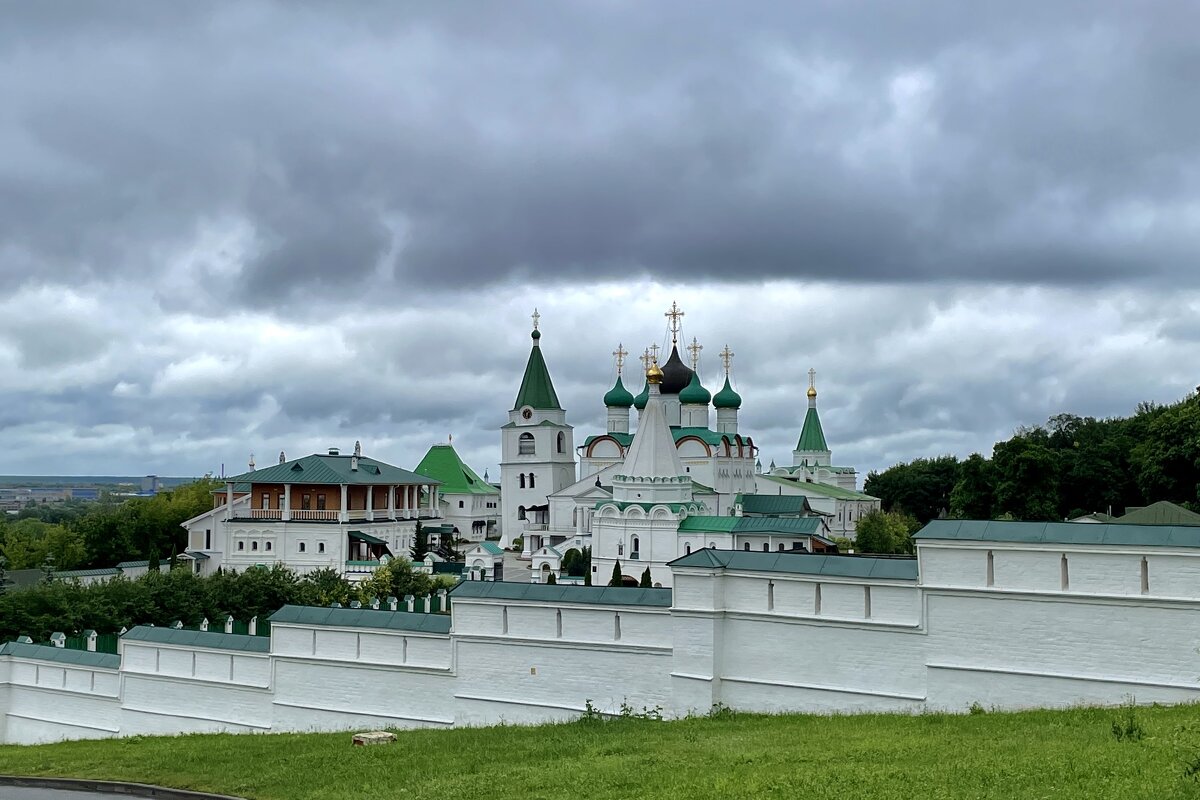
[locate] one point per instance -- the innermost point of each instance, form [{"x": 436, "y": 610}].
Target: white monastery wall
[{"x": 1123, "y": 623}]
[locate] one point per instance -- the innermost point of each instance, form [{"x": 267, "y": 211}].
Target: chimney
[
  {"x": 333, "y": 451},
  {"x": 354, "y": 463},
  {"x": 357, "y": 449},
  {"x": 282, "y": 457}
]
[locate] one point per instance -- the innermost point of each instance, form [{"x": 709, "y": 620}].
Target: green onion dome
[
  {"x": 640, "y": 401},
  {"x": 694, "y": 393},
  {"x": 727, "y": 397},
  {"x": 618, "y": 396}
]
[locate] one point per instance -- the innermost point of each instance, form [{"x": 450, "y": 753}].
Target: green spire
[
  {"x": 727, "y": 397},
  {"x": 618, "y": 396},
  {"x": 537, "y": 390},
  {"x": 812, "y": 438},
  {"x": 695, "y": 393}
]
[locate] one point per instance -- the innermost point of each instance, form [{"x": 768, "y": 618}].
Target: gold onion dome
[
  {"x": 812, "y": 392},
  {"x": 654, "y": 374}
]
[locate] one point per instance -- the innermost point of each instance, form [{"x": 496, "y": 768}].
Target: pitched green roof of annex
[
  {"x": 812, "y": 438},
  {"x": 442, "y": 463},
  {"x": 618, "y": 396},
  {"x": 63, "y": 655},
  {"x": 774, "y": 504},
  {"x": 537, "y": 390},
  {"x": 1065, "y": 533},
  {"x": 330, "y": 469},
  {"x": 822, "y": 489},
  {"x": 1163, "y": 512},
  {"x": 363, "y": 618},
  {"x": 216, "y": 640},
  {"x": 785, "y": 525},
  {"x": 839, "y": 566},
  {"x": 564, "y": 593}
]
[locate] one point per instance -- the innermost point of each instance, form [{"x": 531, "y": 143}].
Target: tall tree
[
  {"x": 921, "y": 487},
  {"x": 647, "y": 581},
  {"x": 1027, "y": 477},
  {"x": 973, "y": 495},
  {"x": 420, "y": 547},
  {"x": 617, "y": 578},
  {"x": 885, "y": 532}
]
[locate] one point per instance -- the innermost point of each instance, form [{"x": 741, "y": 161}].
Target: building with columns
[{"x": 346, "y": 512}]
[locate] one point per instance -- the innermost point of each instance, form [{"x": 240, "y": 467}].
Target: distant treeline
[
  {"x": 77, "y": 534},
  {"x": 1069, "y": 467}
]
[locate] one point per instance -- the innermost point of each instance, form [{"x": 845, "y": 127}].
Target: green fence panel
[
  {"x": 263, "y": 628},
  {"x": 107, "y": 643}
]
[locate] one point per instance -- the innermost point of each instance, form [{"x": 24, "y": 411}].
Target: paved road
[{"x": 17, "y": 793}]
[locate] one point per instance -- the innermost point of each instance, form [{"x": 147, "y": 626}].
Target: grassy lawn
[{"x": 1039, "y": 754}]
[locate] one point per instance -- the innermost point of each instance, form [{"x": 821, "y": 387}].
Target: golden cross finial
[
  {"x": 812, "y": 378},
  {"x": 620, "y": 354},
  {"x": 645, "y": 358},
  {"x": 726, "y": 358},
  {"x": 694, "y": 348},
  {"x": 536, "y": 316},
  {"x": 654, "y": 348},
  {"x": 674, "y": 314}
]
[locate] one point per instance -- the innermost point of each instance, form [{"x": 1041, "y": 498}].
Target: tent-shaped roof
[
  {"x": 537, "y": 390},
  {"x": 812, "y": 438},
  {"x": 442, "y": 463}
]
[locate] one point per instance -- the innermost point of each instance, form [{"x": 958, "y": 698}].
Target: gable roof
[
  {"x": 1061, "y": 533},
  {"x": 820, "y": 489},
  {"x": 1163, "y": 512},
  {"x": 442, "y": 463},
  {"x": 698, "y": 523},
  {"x": 841, "y": 566},
  {"x": 363, "y": 618},
  {"x": 774, "y": 504},
  {"x": 330, "y": 469},
  {"x": 64, "y": 655},
  {"x": 563, "y": 593},
  {"x": 216, "y": 640},
  {"x": 537, "y": 390},
  {"x": 491, "y": 548}
]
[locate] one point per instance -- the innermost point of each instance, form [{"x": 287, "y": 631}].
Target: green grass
[{"x": 1037, "y": 754}]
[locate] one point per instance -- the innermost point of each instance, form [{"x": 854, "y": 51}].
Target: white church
[{"x": 677, "y": 483}]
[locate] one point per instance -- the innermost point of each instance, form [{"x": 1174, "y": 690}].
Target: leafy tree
[
  {"x": 973, "y": 495},
  {"x": 420, "y": 547},
  {"x": 921, "y": 488},
  {"x": 1027, "y": 476},
  {"x": 28, "y": 542},
  {"x": 173, "y": 561},
  {"x": 577, "y": 563},
  {"x": 617, "y": 577},
  {"x": 647, "y": 581},
  {"x": 885, "y": 532},
  {"x": 153, "y": 564},
  {"x": 587, "y": 577},
  {"x": 395, "y": 579},
  {"x": 550, "y": 579},
  {"x": 3, "y": 575}
]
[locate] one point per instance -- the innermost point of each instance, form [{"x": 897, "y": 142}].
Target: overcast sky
[{"x": 253, "y": 226}]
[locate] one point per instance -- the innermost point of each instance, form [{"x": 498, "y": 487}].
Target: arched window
[
  {"x": 766, "y": 547},
  {"x": 525, "y": 444},
  {"x": 531, "y": 482},
  {"x": 520, "y": 512},
  {"x": 254, "y": 545},
  {"x": 460, "y": 503},
  {"x": 521, "y": 480},
  {"x": 687, "y": 549},
  {"x": 746, "y": 546},
  {"x": 634, "y": 546},
  {"x": 268, "y": 545},
  {"x": 320, "y": 547},
  {"x": 562, "y": 441},
  {"x": 302, "y": 547}
]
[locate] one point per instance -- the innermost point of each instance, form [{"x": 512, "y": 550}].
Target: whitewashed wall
[{"x": 45, "y": 701}]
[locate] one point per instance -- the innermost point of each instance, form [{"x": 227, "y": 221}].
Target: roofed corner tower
[
  {"x": 537, "y": 447},
  {"x": 811, "y": 449}
]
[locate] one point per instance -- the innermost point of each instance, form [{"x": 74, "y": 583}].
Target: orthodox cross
[
  {"x": 645, "y": 358},
  {"x": 654, "y": 348},
  {"x": 726, "y": 358},
  {"x": 694, "y": 348},
  {"x": 812, "y": 378},
  {"x": 620, "y": 354},
  {"x": 674, "y": 314},
  {"x": 536, "y": 316}
]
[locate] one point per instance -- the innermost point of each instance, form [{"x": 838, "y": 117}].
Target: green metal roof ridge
[
  {"x": 700, "y": 523},
  {"x": 824, "y": 489},
  {"x": 817, "y": 564},
  {"x": 62, "y": 655},
  {"x": 812, "y": 438},
  {"x": 363, "y": 618},
  {"x": 564, "y": 593},
  {"x": 1163, "y": 512},
  {"x": 537, "y": 390},
  {"x": 1061, "y": 533},
  {"x": 443, "y": 463},
  {"x": 215, "y": 640},
  {"x": 327, "y": 469}
]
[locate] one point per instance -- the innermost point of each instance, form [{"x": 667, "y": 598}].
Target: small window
[
  {"x": 770, "y": 595},
  {"x": 306, "y": 502},
  {"x": 254, "y": 545},
  {"x": 766, "y": 547},
  {"x": 525, "y": 445},
  {"x": 520, "y": 512},
  {"x": 817, "y": 600},
  {"x": 504, "y": 619},
  {"x": 746, "y": 546},
  {"x": 687, "y": 549},
  {"x": 867, "y": 602},
  {"x": 562, "y": 441},
  {"x": 460, "y": 503},
  {"x": 991, "y": 569},
  {"x": 1145, "y": 576},
  {"x": 1064, "y": 573},
  {"x": 241, "y": 545},
  {"x": 531, "y": 480},
  {"x": 320, "y": 502},
  {"x": 521, "y": 480},
  {"x": 266, "y": 500},
  {"x": 268, "y": 546},
  {"x": 302, "y": 547},
  {"x": 781, "y": 547},
  {"x": 635, "y": 545},
  {"x": 558, "y": 624},
  {"x": 320, "y": 547},
  {"x": 617, "y": 627}
]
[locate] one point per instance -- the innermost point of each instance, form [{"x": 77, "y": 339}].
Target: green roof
[
  {"x": 822, "y": 489},
  {"x": 774, "y": 504},
  {"x": 215, "y": 640},
  {"x": 812, "y": 438},
  {"x": 491, "y": 548},
  {"x": 327, "y": 469},
  {"x": 554, "y": 593},
  {"x": 1161, "y": 513},
  {"x": 784, "y": 525},
  {"x": 706, "y": 435},
  {"x": 727, "y": 397},
  {"x": 363, "y": 618},
  {"x": 365, "y": 537},
  {"x": 1061, "y": 533},
  {"x": 68, "y": 574},
  {"x": 695, "y": 393},
  {"x": 618, "y": 396},
  {"x": 840, "y": 566},
  {"x": 63, "y": 655},
  {"x": 537, "y": 390},
  {"x": 443, "y": 464}
]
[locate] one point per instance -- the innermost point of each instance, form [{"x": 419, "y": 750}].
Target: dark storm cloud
[{"x": 377, "y": 151}]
